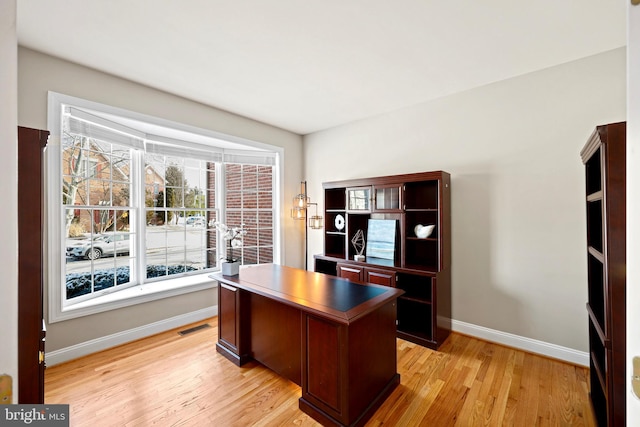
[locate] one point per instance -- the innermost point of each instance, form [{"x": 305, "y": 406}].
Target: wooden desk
[{"x": 333, "y": 337}]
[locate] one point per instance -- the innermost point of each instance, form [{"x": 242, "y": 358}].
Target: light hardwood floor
[{"x": 174, "y": 380}]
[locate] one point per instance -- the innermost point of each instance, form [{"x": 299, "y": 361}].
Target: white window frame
[{"x": 55, "y": 248}]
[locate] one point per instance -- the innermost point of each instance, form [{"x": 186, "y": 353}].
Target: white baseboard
[
  {"x": 526, "y": 344},
  {"x": 103, "y": 343}
]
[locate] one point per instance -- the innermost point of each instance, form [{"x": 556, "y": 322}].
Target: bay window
[{"x": 132, "y": 203}]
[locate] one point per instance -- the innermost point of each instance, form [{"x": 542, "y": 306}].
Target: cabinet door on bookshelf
[
  {"x": 359, "y": 199},
  {"x": 377, "y": 276},
  {"x": 380, "y": 277},
  {"x": 387, "y": 198},
  {"x": 351, "y": 272}
]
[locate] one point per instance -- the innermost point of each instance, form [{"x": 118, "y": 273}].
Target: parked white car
[
  {"x": 103, "y": 244},
  {"x": 196, "y": 221}
]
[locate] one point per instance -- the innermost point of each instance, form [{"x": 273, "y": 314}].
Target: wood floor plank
[{"x": 174, "y": 380}]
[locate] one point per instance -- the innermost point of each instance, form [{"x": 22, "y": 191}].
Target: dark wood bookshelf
[
  {"x": 605, "y": 187},
  {"x": 421, "y": 266}
]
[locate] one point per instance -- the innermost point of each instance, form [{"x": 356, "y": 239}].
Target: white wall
[
  {"x": 633, "y": 205},
  {"x": 8, "y": 192},
  {"x": 518, "y": 215},
  {"x": 39, "y": 73}
]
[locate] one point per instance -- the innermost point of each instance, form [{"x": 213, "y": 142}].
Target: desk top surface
[{"x": 329, "y": 296}]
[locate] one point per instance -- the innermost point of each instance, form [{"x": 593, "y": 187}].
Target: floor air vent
[{"x": 194, "y": 329}]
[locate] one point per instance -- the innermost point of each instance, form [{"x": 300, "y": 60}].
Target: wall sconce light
[{"x": 301, "y": 202}]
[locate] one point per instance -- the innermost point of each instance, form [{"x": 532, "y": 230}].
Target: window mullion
[
  {"x": 221, "y": 197},
  {"x": 138, "y": 210}
]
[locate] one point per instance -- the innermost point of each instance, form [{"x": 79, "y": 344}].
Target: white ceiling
[{"x": 306, "y": 65}]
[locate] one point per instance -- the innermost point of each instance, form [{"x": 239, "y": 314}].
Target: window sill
[{"x": 136, "y": 295}]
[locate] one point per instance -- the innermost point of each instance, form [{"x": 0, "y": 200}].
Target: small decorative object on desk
[
  {"x": 423, "y": 231},
  {"x": 233, "y": 236},
  {"x": 358, "y": 243}
]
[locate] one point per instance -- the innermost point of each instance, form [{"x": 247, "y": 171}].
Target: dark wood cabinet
[
  {"x": 31, "y": 326},
  {"x": 604, "y": 157},
  {"x": 360, "y": 273},
  {"x": 421, "y": 266},
  {"x": 387, "y": 198},
  {"x": 380, "y": 277},
  {"x": 231, "y": 319},
  {"x": 351, "y": 272}
]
